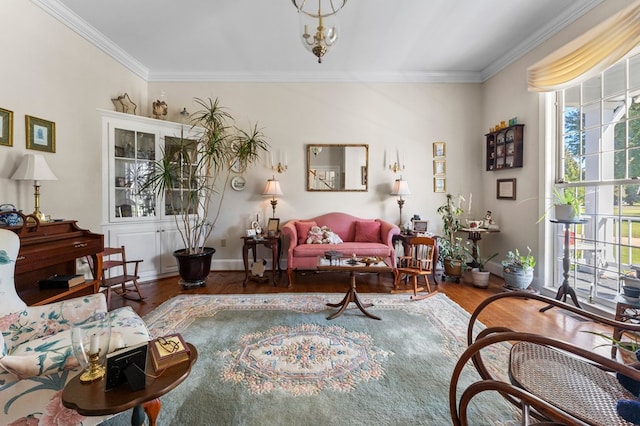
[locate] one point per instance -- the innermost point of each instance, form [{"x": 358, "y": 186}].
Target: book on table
[
  {"x": 167, "y": 351},
  {"x": 61, "y": 281}
]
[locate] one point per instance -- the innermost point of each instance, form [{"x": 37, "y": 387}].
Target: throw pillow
[
  {"x": 629, "y": 409},
  {"x": 368, "y": 232},
  {"x": 302, "y": 228}
]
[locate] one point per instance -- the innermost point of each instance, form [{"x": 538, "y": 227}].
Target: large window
[{"x": 599, "y": 158}]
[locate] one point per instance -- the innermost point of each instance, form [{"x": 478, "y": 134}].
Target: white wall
[
  {"x": 505, "y": 96},
  {"x": 388, "y": 117},
  {"x": 50, "y": 72}
]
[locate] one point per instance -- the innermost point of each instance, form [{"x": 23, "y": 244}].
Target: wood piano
[{"x": 52, "y": 248}]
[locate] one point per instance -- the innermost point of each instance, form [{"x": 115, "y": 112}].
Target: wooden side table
[
  {"x": 274, "y": 243},
  {"x": 90, "y": 399}
]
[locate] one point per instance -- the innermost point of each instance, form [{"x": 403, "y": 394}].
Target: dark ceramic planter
[{"x": 194, "y": 268}]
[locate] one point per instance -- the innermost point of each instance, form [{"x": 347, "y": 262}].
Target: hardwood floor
[{"x": 517, "y": 314}]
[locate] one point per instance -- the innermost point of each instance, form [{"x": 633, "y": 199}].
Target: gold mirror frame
[{"x": 338, "y": 168}]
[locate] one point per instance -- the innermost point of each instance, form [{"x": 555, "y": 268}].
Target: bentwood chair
[
  {"x": 120, "y": 273},
  {"x": 418, "y": 262},
  {"x": 549, "y": 379}
]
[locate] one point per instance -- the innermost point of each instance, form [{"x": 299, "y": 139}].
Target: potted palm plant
[
  {"x": 450, "y": 247},
  {"x": 517, "y": 269},
  {"x": 194, "y": 176}
]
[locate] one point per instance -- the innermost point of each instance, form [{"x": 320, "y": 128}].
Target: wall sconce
[
  {"x": 273, "y": 189},
  {"x": 281, "y": 166},
  {"x": 397, "y": 165},
  {"x": 34, "y": 167}
]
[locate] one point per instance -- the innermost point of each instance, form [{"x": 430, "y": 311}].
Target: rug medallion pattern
[{"x": 304, "y": 360}]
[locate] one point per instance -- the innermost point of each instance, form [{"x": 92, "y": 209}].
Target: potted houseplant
[
  {"x": 629, "y": 349},
  {"x": 450, "y": 248},
  {"x": 200, "y": 169},
  {"x": 566, "y": 204},
  {"x": 517, "y": 269},
  {"x": 480, "y": 277}
]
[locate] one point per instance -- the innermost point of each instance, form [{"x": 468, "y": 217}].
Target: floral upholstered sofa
[
  {"x": 36, "y": 356},
  {"x": 364, "y": 237}
]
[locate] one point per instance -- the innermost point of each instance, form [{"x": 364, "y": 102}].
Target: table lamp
[
  {"x": 400, "y": 188},
  {"x": 273, "y": 189},
  {"x": 34, "y": 167}
]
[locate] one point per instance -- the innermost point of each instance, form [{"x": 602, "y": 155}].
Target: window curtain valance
[{"x": 589, "y": 54}]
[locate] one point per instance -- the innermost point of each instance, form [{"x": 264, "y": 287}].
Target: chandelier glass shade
[{"x": 319, "y": 25}]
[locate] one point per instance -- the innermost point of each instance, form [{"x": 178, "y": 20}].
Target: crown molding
[
  {"x": 324, "y": 77},
  {"x": 66, "y": 16}
]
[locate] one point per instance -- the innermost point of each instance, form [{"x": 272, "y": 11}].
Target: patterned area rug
[{"x": 277, "y": 360}]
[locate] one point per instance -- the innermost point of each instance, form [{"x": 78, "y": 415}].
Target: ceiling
[{"x": 258, "y": 40}]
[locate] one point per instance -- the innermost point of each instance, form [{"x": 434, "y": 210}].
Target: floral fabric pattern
[{"x": 38, "y": 351}]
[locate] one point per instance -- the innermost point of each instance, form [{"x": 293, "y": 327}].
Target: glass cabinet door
[
  {"x": 134, "y": 153},
  {"x": 184, "y": 192}
]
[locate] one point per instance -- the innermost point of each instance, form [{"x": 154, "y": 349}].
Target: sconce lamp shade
[
  {"x": 400, "y": 188},
  {"x": 33, "y": 167},
  {"x": 273, "y": 189}
]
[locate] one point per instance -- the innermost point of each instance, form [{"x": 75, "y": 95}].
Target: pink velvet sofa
[{"x": 364, "y": 237}]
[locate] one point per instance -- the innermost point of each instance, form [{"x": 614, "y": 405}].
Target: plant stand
[{"x": 565, "y": 289}]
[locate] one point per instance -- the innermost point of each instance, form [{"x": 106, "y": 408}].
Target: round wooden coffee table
[{"x": 90, "y": 399}]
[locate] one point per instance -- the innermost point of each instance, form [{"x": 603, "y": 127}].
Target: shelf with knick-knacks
[{"x": 505, "y": 147}]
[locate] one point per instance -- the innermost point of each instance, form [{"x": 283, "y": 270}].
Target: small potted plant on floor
[
  {"x": 450, "y": 247},
  {"x": 517, "y": 269},
  {"x": 480, "y": 277}
]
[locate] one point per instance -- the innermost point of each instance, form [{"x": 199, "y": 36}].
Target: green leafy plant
[
  {"x": 451, "y": 247},
  {"x": 628, "y": 348},
  {"x": 478, "y": 261},
  {"x": 515, "y": 259},
  {"x": 563, "y": 197},
  {"x": 199, "y": 171}
]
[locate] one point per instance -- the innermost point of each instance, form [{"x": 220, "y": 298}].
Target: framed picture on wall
[
  {"x": 41, "y": 134},
  {"x": 506, "y": 189},
  {"x": 439, "y": 149},
  {"x": 6, "y": 127},
  {"x": 439, "y": 184},
  {"x": 439, "y": 167}
]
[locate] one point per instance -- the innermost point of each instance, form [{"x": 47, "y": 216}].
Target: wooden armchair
[
  {"x": 549, "y": 379},
  {"x": 418, "y": 262}
]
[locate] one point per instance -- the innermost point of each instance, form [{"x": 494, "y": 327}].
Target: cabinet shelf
[{"x": 504, "y": 148}]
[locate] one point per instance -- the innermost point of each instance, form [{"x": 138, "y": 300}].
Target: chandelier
[{"x": 323, "y": 19}]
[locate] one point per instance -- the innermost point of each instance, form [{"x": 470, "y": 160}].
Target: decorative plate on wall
[{"x": 238, "y": 183}]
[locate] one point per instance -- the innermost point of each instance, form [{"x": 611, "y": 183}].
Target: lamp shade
[
  {"x": 33, "y": 167},
  {"x": 272, "y": 188},
  {"x": 401, "y": 187}
]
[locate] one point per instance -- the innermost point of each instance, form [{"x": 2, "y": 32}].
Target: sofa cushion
[
  {"x": 302, "y": 229},
  {"x": 368, "y": 231}
]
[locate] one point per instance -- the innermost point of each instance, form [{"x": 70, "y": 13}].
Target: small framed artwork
[
  {"x": 41, "y": 134},
  {"x": 6, "y": 127},
  {"x": 420, "y": 225},
  {"x": 439, "y": 149},
  {"x": 439, "y": 184},
  {"x": 506, "y": 189},
  {"x": 274, "y": 225},
  {"x": 439, "y": 167}
]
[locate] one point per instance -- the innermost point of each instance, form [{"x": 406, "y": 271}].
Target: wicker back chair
[{"x": 549, "y": 379}]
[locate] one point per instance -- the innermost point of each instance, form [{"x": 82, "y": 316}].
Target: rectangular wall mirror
[{"x": 338, "y": 167}]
